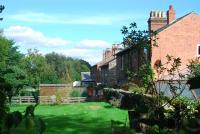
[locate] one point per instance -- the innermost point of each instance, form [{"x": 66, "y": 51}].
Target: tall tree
[
  {"x": 37, "y": 69},
  {"x": 67, "y": 69},
  {"x": 10, "y": 59},
  {"x": 57, "y": 61}
]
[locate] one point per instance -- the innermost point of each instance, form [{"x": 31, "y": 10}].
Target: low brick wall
[{"x": 55, "y": 89}]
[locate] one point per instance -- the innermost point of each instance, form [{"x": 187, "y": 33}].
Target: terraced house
[
  {"x": 105, "y": 71},
  {"x": 178, "y": 37}
]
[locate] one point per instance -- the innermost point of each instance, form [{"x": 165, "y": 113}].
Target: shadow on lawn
[{"x": 76, "y": 124}]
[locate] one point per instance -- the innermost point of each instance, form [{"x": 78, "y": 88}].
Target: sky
[{"x": 79, "y": 28}]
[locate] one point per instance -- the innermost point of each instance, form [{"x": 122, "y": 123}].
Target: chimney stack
[
  {"x": 107, "y": 53},
  {"x": 157, "y": 20},
  {"x": 171, "y": 15}
]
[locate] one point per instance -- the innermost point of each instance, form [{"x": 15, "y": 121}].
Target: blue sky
[{"x": 79, "y": 28}]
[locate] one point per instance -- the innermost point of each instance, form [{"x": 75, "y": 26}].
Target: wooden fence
[{"x": 46, "y": 100}]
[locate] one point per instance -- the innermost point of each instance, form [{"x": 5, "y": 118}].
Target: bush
[
  {"x": 58, "y": 98},
  {"x": 110, "y": 93},
  {"x": 136, "y": 89},
  {"x": 75, "y": 93}
]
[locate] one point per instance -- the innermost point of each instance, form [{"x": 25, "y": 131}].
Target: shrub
[
  {"x": 136, "y": 89},
  {"x": 75, "y": 93},
  {"x": 58, "y": 98},
  {"x": 110, "y": 93}
]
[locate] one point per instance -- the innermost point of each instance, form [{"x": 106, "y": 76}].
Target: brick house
[
  {"x": 177, "y": 37},
  {"x": 127, "y": 59},
  {"x": 105, "y": 71}
]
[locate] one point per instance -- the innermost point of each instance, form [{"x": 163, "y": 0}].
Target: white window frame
[{"x": 198, "y": 49}]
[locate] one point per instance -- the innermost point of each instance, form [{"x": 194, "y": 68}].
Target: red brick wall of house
[{"x": 179, "y": 40}]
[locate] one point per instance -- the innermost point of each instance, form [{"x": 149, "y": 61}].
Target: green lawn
[{"x": 82, "y": 118}]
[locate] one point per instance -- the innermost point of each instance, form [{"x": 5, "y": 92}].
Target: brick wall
[
  {"x": 55, "y": 89},
  {"x": 179, "y": 40}
]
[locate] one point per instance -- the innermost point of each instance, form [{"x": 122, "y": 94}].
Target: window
[{"x": 198, "y": 50}]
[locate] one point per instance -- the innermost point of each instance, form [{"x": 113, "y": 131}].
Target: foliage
[
  {"x": 194, "y": 68},
  {"x": 134, "y": 88},
  {"x": 135, "y": 37},
  {"x": 37, "y": 69},
  {"x": 189, "y": 108},
  {"x": 1, "y": 9},
  {"x": 110, "y": 93},
  {"x": 143, "y": 77},
  {"x": 75, "y": 93},
  {"x": 170, "y": 72},
  {"x": 156, "y": 113},
  {"x": 140, "y": 43},
  {"x": 12, "y": 79},
  {"x": 52, "y": 69},
  {"x": 194, "y": 74},
  {"x": 169, "y": 114},
  {"x": 58, "y": 97},
  {"x": 11, "y": 120},
  {"x": 67, "y": 69}
]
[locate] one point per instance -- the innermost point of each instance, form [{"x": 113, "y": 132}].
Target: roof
[
  {"x": 124, "y": 50},
  {"x": 106, "y": 61},
  {"x": 172, "y": 23},
  {"x": 158, "y": 31},
  {"x": 86, "y": 76}
]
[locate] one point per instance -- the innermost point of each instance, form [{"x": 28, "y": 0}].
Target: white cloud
[
  {"x": 27, "y": 37},
  {"x": 90, "y": 55},
  {"x": 36, "y": 17},
  {"x": 86, "y": 49}
]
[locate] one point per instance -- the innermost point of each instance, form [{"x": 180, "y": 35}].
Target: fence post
[{"x": 20, "y": 100}]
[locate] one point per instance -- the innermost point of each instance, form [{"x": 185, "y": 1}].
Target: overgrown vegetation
[
  {"x": 155, "y": 112},
  {"x": 140, "y": 44},
  {"x": 194, "y": 75}
]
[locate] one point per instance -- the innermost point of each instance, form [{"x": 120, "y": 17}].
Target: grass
[{"x": 82, "y": 118}]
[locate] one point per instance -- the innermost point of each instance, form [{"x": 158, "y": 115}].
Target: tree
[
  {"x": 1, "y": 9},
  {"x": 140, "y": 43},
  {"x": 12, "y": 78},
  {"x": 58, "y": 63},
  {"x": 194, "y": 74},
  {"x": 67, "y": 69},
  {"x": 10, "y": 72},
  {"x": 37, "y": 69}
]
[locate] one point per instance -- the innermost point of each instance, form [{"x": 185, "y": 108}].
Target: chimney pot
[{"x": 156, "y": 20}]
